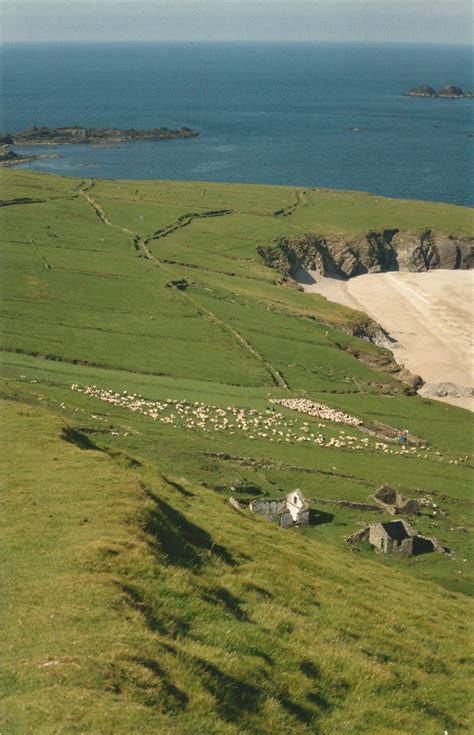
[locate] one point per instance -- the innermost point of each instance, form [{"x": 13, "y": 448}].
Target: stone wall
[
  {"x": 377, "y": 537},
  {"x": 361, "y": 535},
  {"x": 286, "y": 520},
  {"x": 303, "y": 517},
  {"x": 268, "y": 507}
]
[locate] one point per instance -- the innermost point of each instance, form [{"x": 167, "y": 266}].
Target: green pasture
[
  {"x": 136, "y": 599},
  {"x": 136, "y": 603}
]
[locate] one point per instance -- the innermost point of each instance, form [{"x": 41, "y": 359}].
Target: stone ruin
[
  {"x": 290, "y": 511},
  {"x": 392, "y": 502},
  {"x": 396, "y": 537}
]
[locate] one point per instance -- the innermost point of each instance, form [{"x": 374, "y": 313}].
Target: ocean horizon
[{"x": 322, "y": 115}]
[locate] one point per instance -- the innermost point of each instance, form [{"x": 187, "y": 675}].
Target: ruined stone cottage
[
  {"x": 392, "y": 502},
  {"x": 395, "y": 537},
  {"x": 289, "y": 511},
  {"x": 390, "y": 537}
]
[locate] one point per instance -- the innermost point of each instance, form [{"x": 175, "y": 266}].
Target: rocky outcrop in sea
[
  {"x": 77, "y": 135},
  {"x": 449, "y": 92}
]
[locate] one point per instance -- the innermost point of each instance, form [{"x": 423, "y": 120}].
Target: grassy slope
[
  {"x": 78, "y": 289},
  {"x": 136, "y": 604}
]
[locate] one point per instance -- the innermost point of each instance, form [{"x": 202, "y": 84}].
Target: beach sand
[{"x": 430, "y": 315}]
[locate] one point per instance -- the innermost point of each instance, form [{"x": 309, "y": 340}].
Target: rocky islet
[
  {"x": 76, "y": 135},
  {"x": 451, "y": 91}
]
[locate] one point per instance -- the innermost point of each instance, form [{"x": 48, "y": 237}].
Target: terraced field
[{"x": 144, "y": 343}]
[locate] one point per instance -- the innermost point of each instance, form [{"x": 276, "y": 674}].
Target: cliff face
[
  {"x": 415, "y": 252},
  {"x": 344, "y": 257}
]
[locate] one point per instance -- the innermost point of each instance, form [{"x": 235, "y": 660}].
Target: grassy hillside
[
  {"x": 135, "y": 603},
  {"x": 137, "y": 599}
]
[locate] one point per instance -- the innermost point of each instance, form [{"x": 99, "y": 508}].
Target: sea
[{"x": 302, "y": 114}]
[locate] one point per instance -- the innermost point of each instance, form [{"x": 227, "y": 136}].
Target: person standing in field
[{"x": 403, "y": 437}]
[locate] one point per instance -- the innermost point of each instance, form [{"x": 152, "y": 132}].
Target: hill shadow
[
  {"x": 233, "y": 696},
  {"x": 184, "y": 543},
  {"x": 227, "y": 601},
  {"x": 169, "y": 698},
  {"x": 72, "y": 436}
]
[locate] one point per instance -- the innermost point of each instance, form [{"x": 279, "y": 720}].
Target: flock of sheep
[
  {"x": 270, "y": 425},
  {"x": 319, "y": 410}
]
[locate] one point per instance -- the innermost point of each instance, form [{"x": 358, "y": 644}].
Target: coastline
[
  {"x": 428, "y": 315},
  {"x": 247, "y": 135}
]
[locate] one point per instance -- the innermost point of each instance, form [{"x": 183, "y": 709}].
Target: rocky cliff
[{"x": 346, "y": 256}]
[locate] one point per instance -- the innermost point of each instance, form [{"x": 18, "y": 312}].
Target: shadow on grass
[
  {"x": 309, "y": 669},
  {"x": 168, "y": 697},
  {"x": 255, "y": 651},
  {"x": 423, "y": 546},
  {"x": 320, "y": 517},
  {"x": 72, "y": 436},
  {"x": 226, "y": 600},
  {"x": 234, "y": 697},
  {"x": 313, "y": 672},
  {"x": 171, "y": 627},
  {"x": 303, "y": 714},
  {"x": 258, "y": 591},
  {"x": 184, "y": 543},
  {"x": 179, "y": 488}
]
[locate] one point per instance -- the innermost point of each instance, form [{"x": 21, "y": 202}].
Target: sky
[{"x": 410, "y": 21}]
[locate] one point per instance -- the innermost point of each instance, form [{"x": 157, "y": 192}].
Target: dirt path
[
  {"x": 140, "y": 243},
  {"x": 40, "y": 255},
  {"x": 429, "y": 314},
  {"x": 100, "y": 212},
  {"x": 277, "y": 377}
]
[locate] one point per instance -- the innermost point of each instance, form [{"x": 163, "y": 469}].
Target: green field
[{"x": 136, "y": 600}]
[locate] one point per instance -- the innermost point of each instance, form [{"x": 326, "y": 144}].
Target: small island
[
  {"x": 451, "y": 92},
  {"x": 75, "y": 134}
]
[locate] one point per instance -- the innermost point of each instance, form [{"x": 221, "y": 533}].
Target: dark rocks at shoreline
[
  {"x": 345, "y": 256},
  {"x": 7, "y": 155},
  {"x": 78, "y": 135},
  {"x": 10, "y": 158},
  {"x": 451, "y": 92}
]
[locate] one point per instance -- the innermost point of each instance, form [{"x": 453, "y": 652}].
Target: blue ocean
[{"x": 314, "y": 115}]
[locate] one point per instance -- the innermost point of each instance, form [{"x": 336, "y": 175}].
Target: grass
[
  {"x": 136, "y": 599},
  {"x": 140, "y": 604}
]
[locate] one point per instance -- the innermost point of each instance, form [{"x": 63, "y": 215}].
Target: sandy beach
[{"x": 428, "y": 314}]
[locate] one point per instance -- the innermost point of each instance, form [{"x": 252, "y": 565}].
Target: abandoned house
[
  {"x": 393, "y": 503},
  {"x": 390, "y": 537},
  {"x": 289, "y": 511},
  {"x": 395, "y": 537}
]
